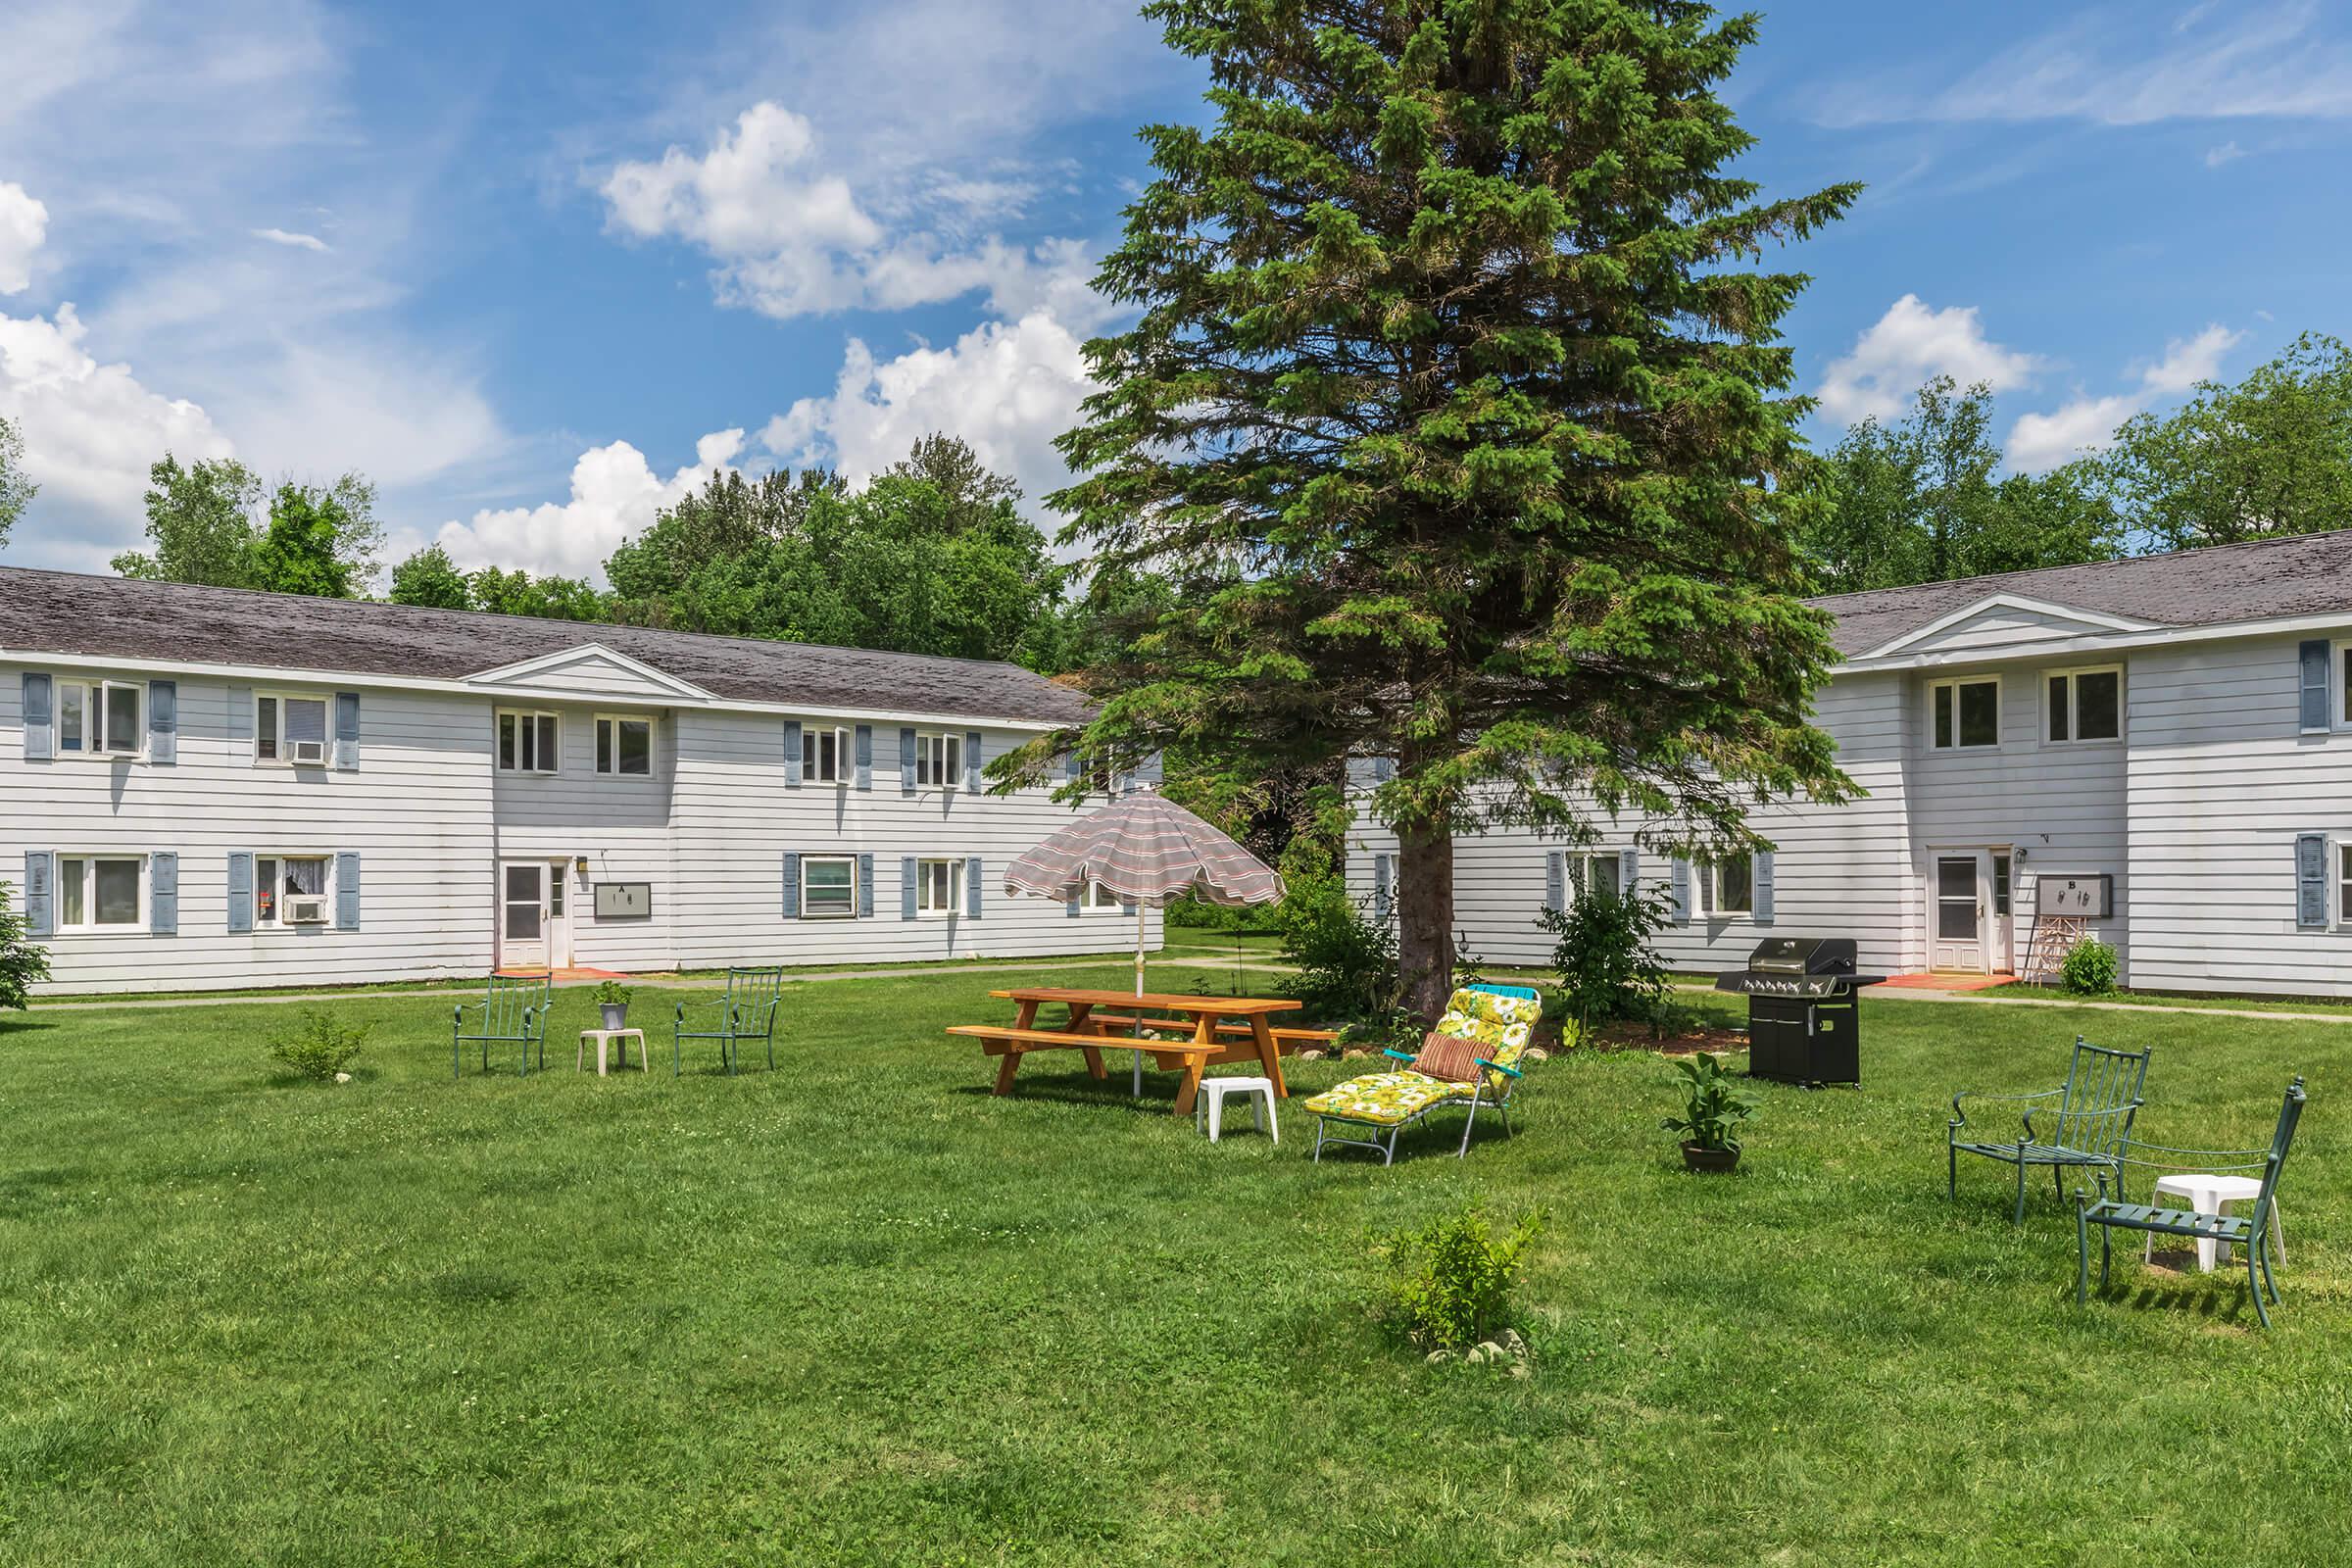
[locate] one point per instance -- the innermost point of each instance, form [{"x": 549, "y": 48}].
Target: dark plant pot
[
  {"x": 616, "y": 1015},
  {"x": 1710, "y": 1159}
]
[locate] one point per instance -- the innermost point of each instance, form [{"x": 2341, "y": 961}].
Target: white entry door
[
  {"x": 1957, "y": 895},
  {"x": 534, "y": 930}
]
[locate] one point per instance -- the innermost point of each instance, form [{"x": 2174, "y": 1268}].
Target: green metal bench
[
  {"x": 513, "y": 1011},
  {"x": 2086, "y": 1129},
  {"x": 748, "y": 1011},
  {"x": 2250, "y": 1232}
]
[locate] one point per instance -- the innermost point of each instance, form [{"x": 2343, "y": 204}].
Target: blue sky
[{"x": 537, "y": 269}]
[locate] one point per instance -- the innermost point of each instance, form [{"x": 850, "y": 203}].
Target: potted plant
[
  {"x": 1716, "y": 1105},
  {"x": 613, "y": 997}
]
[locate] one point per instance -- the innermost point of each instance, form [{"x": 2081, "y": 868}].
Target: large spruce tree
[{"x": 1457, "y": 411}]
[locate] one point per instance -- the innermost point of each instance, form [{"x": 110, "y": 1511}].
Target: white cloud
[
  {"x": 2229, "y": 152},
  {"x": 280, "y": 236},
  {"x": 1007, "y": 388},
  {"x": 1909, "y": 346},
  {"x": 22, "y": 224},
  {"x": 2244, "y": 62},
  {"x": 90, "y": 432},
  {"x": 2038, "y": 442},
  {"x": 615, "y": 493}
]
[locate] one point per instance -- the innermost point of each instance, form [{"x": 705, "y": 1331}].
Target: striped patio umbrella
[{"x": 1147, "y": 852}]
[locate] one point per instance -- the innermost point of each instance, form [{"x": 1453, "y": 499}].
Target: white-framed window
[
  {"x": 1589, "y": 874},
  {"x": 938, "y": 760},
  {"x": 2082, "y": 705},
  {"x": 829, "y": 887},
  {"x": 2343, "y": 882},
  {"x": 289, "y": 729},
  {"x": 824, "y": 754},
  {"x": 528, "y": 742},
  {"x": 624, "y": 745},
  {"x": 1098, "y": 897},
  {"x": 1735, "y": 877},
  {"x": 292, "y": 889},
  {"x": 938, "y": 887},
  {"x": 101, "y": 892},
  {"x": 101, "y": 717},
  {"x": 1964, "y": 714},
  {"x": 2343, "y": 684}
]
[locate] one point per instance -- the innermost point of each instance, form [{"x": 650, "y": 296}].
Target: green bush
[
  {"x": 22, "y": 962},
  {"x": 1601, "y": 951},
  {"x": 320, "y": 1047},
  {"x": 2089, "y": 968},
  {"x": 613, "y": 993},
  {"x": 1449, "y": 1282},
  {"x": 1346, "y": 962}
]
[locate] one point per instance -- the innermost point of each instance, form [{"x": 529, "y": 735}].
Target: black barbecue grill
[{"x": 1803, "y": 1017}]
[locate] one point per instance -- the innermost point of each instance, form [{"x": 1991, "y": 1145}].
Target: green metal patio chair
[
  {"x": 2087, "y": 1128},
  {"x": 1500, "y": 1019},
  {"x": 2250, "y": 1232},
  {"x": 513, "y": 1011},
  {"x": 748, "y": 1011}
]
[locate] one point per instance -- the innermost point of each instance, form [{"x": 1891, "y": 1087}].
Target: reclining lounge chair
[{"x": 1498, "y": 1020}]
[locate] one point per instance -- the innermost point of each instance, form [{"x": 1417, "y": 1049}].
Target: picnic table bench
[{"x": 1222, "y": 1029}]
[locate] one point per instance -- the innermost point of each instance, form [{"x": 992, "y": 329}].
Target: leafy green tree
[
  {"x": 2272, "y": 454},
  {"x": 16, "y": 490},
  {"x": 428, "y": 577},
  {"x": 731, "y": 521},
  {"x": 519, "y": 593},
  {"x": 296, "y": 553},
  {"x": 1454, "y": 411},
  {"x": 201, "y": 523},
  {"x": 1920, "y": 501},
  {"x": 22, "y": 962}
]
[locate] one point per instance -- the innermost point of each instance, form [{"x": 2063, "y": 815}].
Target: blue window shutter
[
  {"x": 1555, "y": 880},
  {"x": 865, "y": 757},
  {"x": 1629, "y": 871},
  {"x": 1384, "y": 768},
  {"x": 2311, "y": 881},
  {"x": 240, "y": 889},
  {"x": 866, "y": 884},
  {"x": 971, "y": 761},
  {"x": 906, "y": 762},
  {"x": 162, "y": 721},
  {"x": 905, "y": 887},
  {"x": 973, "y": 872},
  {"x": 240, "y": 723},
  {"x": 347, "y": 739},
  {"x": 1069, "y": 768},
  {"x": 1379, "y": 887},
  {"x": 1074, "y": 907},
  {"x": 40, "y": 893},
  {"x": 346, "y": 892},
  {"x": 792, "y": 754},
  {"x": 163, "y": 892},
  {"x": 792, "y": 886},
  {"x": 2311, "y": 661},
  {"x": 1677, "y": 888},
  {"x": 40, "y": 733},
  {"x": 1761, "y": 886}
]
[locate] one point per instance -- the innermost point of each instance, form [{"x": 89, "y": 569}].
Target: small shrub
[
  {"x": 22, "y": 962},
  {"x": 2089, "y": 968},
  {"x": 1449, "y": 1282},
  {"x": 1601, "y": 951},
  {"x": 613, "y": 993},
  {"x": 320, "y": 1048},
  {"x": 1346, "y": 962},
  {"x": 1716, "y": 1105}
]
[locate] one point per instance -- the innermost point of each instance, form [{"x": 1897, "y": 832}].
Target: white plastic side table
[
  {"x": 1211, "y": 1104},
  {"x": 612, "y": 1038},
  {"x": 2207, "y": 1195}
]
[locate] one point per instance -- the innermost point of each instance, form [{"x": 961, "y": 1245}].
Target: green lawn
[{"x": 859, "y": 1311}]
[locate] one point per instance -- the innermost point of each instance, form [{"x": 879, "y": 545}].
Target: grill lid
[{"x": 1803, "y": 955}]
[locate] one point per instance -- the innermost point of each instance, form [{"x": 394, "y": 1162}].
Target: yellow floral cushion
[
  {"x": 1500, "y": 1026},
  {"x": 1383, "y": 1098}
]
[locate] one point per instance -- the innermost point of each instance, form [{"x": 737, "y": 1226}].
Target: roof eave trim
[
  {"x": 520, "y": 674},
  {"x": 268, "y": 675},
  {"x": 2334, "y": 621},
  {"x": 2037, "y": 607}
]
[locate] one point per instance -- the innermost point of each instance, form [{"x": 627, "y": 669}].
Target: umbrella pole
[{"x": 1139, "y": 993}]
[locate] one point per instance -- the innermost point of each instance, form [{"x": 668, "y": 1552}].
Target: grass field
[{"x": 859, "y": 1311}]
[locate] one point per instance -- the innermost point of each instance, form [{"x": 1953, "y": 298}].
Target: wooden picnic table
[{"x": 1115, "y": 1018}]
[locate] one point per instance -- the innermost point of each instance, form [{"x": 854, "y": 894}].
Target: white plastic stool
[
  {"x": 2206, "y": 1194},
  {"x": 1211, "y": 1103}
]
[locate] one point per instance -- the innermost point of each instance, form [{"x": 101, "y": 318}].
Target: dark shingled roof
[
  {"x": 65, "y": 612},
  {"x": 2306, "y": 575}
]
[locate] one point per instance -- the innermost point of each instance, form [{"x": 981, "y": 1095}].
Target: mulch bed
[{"x": 1687, "y": 1041}]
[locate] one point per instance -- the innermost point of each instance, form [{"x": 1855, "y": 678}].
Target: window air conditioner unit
[
  {"x": 306, "y": 912},
  {"x": 308, "y": 751}
]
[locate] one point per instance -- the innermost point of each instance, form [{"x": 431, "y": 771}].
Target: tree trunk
[{"x": 1424, "y": 896}]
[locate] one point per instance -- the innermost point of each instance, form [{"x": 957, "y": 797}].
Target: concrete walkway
[{"x": 659, "y": 982}]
